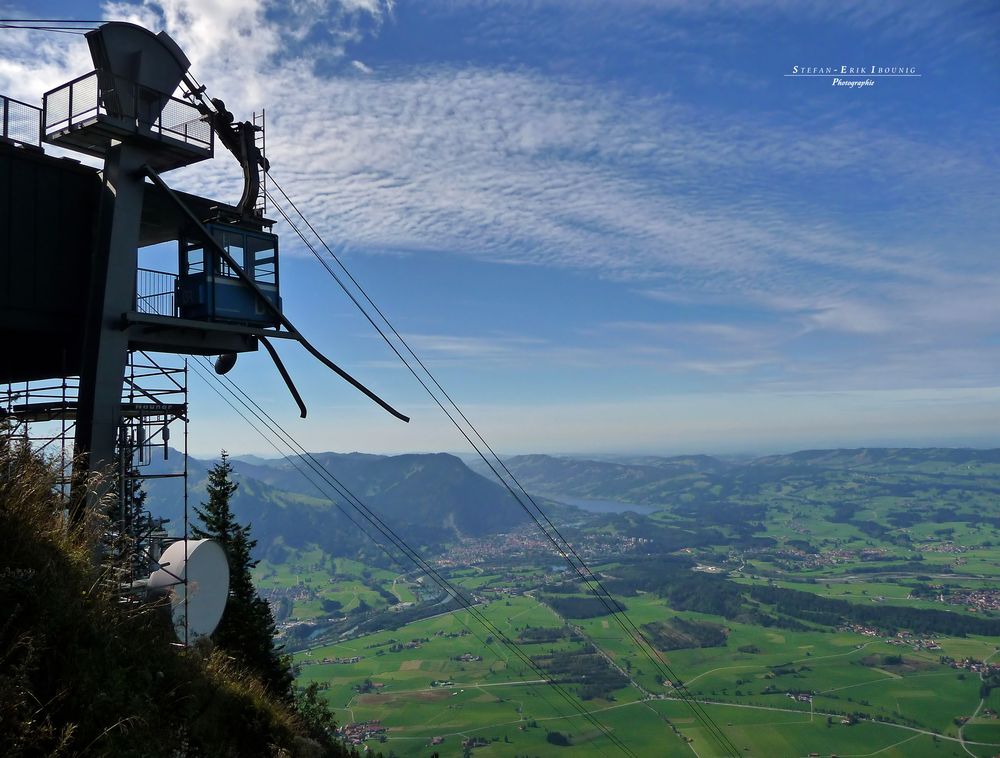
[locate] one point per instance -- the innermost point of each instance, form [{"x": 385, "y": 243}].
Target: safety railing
[
  {"x": 85, "y": 99},
  {"x": 20, "y": 122},
  {"x": 155, "y": 292}
]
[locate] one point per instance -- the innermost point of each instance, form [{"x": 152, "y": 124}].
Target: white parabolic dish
[{"x": 195, "y": 570}]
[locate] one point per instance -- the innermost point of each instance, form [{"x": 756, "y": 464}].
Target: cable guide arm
[
  {"x": 284, "y": 375},
  {"x": 236, "y": 136},
  {"x": 237, "y": 268}
]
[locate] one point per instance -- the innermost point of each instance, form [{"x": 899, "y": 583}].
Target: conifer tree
[
  {"x": 128, "y": 520},
  {"x": 246, "y": 631},
  {"x": 129, "y": 508}
]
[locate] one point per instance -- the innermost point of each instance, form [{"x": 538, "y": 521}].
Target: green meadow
[
  {"x": 784, "y": 683},
  {"x": 422, "y": 692}
]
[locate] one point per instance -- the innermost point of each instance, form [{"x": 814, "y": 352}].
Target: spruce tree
[
  {"x": 128, "y": 522},
  {"x": 246, "y": 631}
]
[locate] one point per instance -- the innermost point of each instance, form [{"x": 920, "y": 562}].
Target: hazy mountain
[
  {"x": 653, "y": 482},
  {"x": 884, "y": 458},
  {"x": 249, "y": 458},
  {"x": 678, "y": 463},
  {"x": 427, "y": 498},
  {"x": 432, "y": 498},
  {"x": 664, "y": 482}
]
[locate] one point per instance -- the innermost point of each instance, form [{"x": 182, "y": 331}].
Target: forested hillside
[{"x": 433, "y": 498}]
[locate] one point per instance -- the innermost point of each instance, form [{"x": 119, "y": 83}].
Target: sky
[{"x": 611, "y": 227}]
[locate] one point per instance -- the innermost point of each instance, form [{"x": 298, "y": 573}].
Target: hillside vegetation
[
  {"x": 432, "y": 498},
  {"x": 83, "y": 673},
  {"x": 821, "y": 602}
]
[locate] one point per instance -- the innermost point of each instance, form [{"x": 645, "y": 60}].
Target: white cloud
[
  {"x": 514, "y": 167},
  {"x": 479, "y": 349},
  {"x": 511, "y": 165}
]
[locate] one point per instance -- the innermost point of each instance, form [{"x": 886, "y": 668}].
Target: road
[
  {"x": 715, "y": 703},
  {"x": 838, "y": 715},
  {"x": 982, "y": 702}
]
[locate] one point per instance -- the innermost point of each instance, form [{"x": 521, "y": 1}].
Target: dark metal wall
[{"x": 48, "y": 207}]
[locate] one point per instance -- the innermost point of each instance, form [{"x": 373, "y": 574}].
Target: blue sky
[{"x": 614, "y": 226}]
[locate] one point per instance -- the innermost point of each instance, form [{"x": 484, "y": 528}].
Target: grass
[
  {"x": 743, "y": 684},
  {"x": 83, "y": 671},
  {"x": 486, "y": 697}
]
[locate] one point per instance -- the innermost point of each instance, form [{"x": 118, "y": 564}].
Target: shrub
[{"x": 558, "y": 738}]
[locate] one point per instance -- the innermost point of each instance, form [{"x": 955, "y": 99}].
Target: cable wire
[
  {"x": 51, "y": 24},
  {"x": 565, "y": 549},
  {"x": 96, "y": 21},
  {"x": 57, "y": 30},
  {"x": 456, "y": 593}
]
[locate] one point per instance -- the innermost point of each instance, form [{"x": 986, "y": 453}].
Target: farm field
[
  {"x": 414, "y": 682},
  {"x": 810, "y": 614},
  {"x": 422, "y": 692}
]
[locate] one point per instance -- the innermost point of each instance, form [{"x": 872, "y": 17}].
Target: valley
[{"x": 829, "y": 602}]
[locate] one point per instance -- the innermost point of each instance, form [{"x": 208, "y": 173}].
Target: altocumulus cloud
[{"x": 512, "y": 164}]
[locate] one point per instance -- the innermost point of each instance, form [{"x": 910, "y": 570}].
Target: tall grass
[{"x": 84, "y": 671}]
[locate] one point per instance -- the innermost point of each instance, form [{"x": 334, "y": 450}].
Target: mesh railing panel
[
  {"x": 57, "y": 108},
  {"x": 85, "y": 98},
  {"x": 21, "y": 122},
  {"x": 99, "y": 94},
  {"x": 182, "y": 121}
]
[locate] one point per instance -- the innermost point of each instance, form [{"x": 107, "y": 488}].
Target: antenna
[{"x": 195, "y": 574}]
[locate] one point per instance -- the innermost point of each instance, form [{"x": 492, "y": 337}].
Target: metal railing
[
  {"x": 20, "y": 122},
  {"x": 84, "y": 99},
  {"x": 155, "y": 292}
]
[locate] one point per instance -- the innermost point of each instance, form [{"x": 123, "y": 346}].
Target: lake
[{"x": 604, "y": 506}]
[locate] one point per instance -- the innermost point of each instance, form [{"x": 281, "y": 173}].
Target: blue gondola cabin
[{"x": 209, "y": 290}]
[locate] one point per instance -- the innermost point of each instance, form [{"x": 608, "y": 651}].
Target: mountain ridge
[
  {"x": 656, "y": 481},
  {"x": 431, "y": 498},
  {"x": 434, "y": 498}
]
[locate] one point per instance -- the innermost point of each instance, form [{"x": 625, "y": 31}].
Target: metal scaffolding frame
[{"x": 42, "y": 415}]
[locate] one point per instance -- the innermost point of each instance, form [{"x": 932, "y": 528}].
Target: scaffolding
[{"x": 42, "y": 415}]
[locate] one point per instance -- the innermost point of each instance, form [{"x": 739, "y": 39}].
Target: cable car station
[{"x": 77, "y": 299}]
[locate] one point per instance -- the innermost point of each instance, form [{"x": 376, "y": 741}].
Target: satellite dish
[{"x": 195, "y": 573}]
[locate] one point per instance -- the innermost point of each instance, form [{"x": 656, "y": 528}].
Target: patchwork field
[
  {"x": 798, "y": 610},
  {"x": 427, "y": 691}
]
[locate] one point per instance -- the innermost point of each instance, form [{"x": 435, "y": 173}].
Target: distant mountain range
[
  {"x": 643, "y": 480},
  {"x": 655, "y": 481},
  {"x": 431, "y": 499}
]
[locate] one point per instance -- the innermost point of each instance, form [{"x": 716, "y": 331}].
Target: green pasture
[
  {"x": 320, "y": 577},
  {"x": 761, "y": 732},
  {"x": 885, "y": 593},
  {"x": 496, "y": 697},
  {"x": 842, "y": 668},
  {"x": 960, "y": 648},
  {"x": 515, "y": 720},
  {"x": 984, "y": 730},
  {"x": 499, "y": 699},
  {"x": 433, "y": 659},
  {"x": 474, "y": 579}
]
